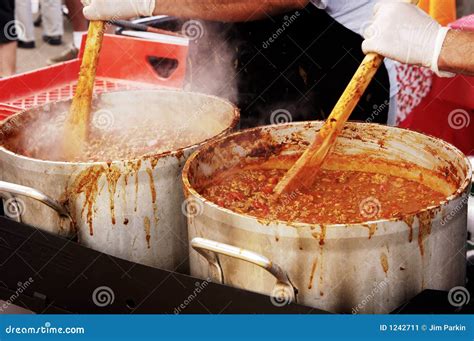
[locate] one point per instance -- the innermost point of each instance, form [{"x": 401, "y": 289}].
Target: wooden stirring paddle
[
  {"x": 77, "y": 123},
  {"x": 304, "y": 172}
]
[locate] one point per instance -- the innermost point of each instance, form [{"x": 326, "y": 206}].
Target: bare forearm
[
  {"x": 457, "y": 54},
  {"x": 226, "y": 10}
]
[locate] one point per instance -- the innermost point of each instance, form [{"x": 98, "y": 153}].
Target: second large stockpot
[
  {"x": 370, "y": 267},
  {"x": 132, "y": 208}
]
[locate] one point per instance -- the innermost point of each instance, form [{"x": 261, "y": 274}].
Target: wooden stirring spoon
[
  {"x": 304, "y": 172},
  {"x": 77, "y": 123}
]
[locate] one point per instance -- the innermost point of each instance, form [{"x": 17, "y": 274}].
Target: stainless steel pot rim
[
  {"x": 174, "y": 153},
  {"x": 289, "y": 225}
]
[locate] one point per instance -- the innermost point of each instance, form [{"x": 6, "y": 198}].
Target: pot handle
[
  {"x": 7, "y": 187},
  {"x": 209, "y": 249}
]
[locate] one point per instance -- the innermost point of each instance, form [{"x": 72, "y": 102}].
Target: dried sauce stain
[
  {"x": 153, "y": 162},
  {"x": 152, "y": 185},
  {"x": 316, "y": 235},
  {"x": 409, "y": 220},
  {"x": 146, "y": 222},
  {"x": 179, "y": 154},
  {"x": 132, "y": 167},
  {"x": 256, "y": 136},
  {"x": 384, "y": 262},
  {"x": 113, "y": 176},
  {"x": 303, "y": 74},
  {"x": 313, "y": 270},
  {"x": 321, "y": 235},
  {"x": 87, "y": 183},
  {"x": 153, "y": 194},
  {"x": 424, "y": 228},
  {"x": 300, "y": 239},
  {"x": 321, "y": 293},
  {"x": 372, "y": 229},
  {"x": 449, "y": 173}
]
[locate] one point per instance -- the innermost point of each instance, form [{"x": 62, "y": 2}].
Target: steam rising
[
  {"x": 212, "y": 66},
  {"x": 132, "y": 124},
  {"x": 124, "y": 126}
]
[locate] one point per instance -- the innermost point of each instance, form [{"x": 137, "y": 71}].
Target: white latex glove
[
  {"x": 403, "y": 32},
  {"x": 117, "y": 9}
]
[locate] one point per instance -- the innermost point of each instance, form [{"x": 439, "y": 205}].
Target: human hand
[
  {"x": 403, "y": 32},
  {"x": 117, "y": 9}
]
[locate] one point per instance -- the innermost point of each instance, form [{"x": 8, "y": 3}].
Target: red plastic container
[
  {"x": 7, "y": 110},
  {"x": 448, "y": 110},
  {"x": 123, "y": 64}
]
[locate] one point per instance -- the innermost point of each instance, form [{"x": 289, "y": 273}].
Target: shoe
[
  {"x": 26, "y": 44},
  {"x": 38, "y": 21},
  {"x": 54, "y": 40},
  {"x": 69, "y": 54}
]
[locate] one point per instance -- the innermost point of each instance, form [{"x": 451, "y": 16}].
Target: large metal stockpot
[
  {"x": 371, "y": 267},
  {"x": 130, "y": 209}
]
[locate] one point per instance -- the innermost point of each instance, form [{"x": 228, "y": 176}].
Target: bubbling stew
[
  {"x": 338, "y": 196},
  {"x": 145, "y": 137}
]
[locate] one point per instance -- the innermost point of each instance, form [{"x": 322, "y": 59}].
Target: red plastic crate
[
  {"x": 7, "y": 110},
  {"x": 123, "y": 65}
]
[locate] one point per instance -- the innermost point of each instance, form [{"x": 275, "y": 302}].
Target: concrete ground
[{"x": 31, "y": 59}]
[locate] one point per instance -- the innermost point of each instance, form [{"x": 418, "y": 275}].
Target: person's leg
[
  {"x": 7, "y": 59},
  {"x": 51, "y": 11},
  {"x": 79, "y": 26},
  {"x": 8, "y": 38},
  {"x": 24, "y": 17},
  {"x": 79, "y": 23}
]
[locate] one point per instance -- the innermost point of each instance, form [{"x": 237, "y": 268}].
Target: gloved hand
[
  {"x": 403, "y": 32},
  {"x": 117, "y": 9}
]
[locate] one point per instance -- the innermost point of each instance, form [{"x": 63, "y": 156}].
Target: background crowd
[{"x": 18, "y": 19}]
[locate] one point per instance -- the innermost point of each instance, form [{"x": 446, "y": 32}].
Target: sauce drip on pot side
[{"x": 338, "y": 197}]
